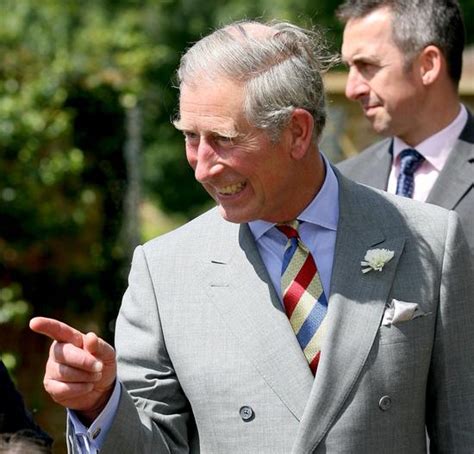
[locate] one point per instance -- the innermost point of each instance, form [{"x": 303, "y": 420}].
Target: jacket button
[
  {"x": 246, "y": 413},
  {"x": 385, "y": 403}
]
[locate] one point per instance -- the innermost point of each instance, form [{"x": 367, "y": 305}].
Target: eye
[
  {"x": 224, "y": 141},
  {"x": 191, "y": 137},
  {"x": 366, "y": 68}
]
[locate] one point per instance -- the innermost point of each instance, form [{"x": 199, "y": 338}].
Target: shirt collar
[
  {"x": 436, "y": 148},
  {"x": 323, "y": 209}
]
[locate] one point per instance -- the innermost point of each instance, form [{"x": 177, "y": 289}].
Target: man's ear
[
  {"x": 431, "y": 61},
  {"x": 301, "y": 129}
]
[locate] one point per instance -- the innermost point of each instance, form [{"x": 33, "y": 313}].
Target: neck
[
  {"x": 440, "y": 109},
  {"x": 311, "y": 178}
]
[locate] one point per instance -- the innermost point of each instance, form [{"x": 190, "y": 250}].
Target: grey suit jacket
[
  {"x": 209, "y": 363},
  {"x": 454, "y": 188}
]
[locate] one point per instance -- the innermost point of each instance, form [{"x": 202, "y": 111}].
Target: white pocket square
[{"x": 400, "y": 311}]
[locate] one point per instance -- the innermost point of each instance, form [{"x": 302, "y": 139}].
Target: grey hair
[
  {"x": 417, "y": 24},
  {"x": 280, "y": 70}
]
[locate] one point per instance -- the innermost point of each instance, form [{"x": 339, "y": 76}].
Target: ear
[
  {"x": 301, "y": 131},
  {"x": 431, "y": 62}
]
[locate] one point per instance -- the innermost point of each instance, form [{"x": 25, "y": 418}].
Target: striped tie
[{"x": 303, "y": 295}]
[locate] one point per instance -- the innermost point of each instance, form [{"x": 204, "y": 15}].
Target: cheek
[
  {"x": 270, "y": 179},
  {"x": 399, "y": 98},
  {"x": 378, "y": 87}
]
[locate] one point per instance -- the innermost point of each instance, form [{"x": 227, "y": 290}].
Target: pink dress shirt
[{"x": 436, "y": 151}]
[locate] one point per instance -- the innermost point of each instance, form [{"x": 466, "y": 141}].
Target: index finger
[{"x": 57, "y": 330}]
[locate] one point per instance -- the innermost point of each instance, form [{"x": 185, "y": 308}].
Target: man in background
[
  {"x": 304, "y": 314},
  {"x": 405, "y": 63}
]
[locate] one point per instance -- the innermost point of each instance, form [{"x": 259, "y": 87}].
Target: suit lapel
[
  {"x": 382, "y": 164},
  {"x": 456, "y": 178},
  {"x": 241, "y": 290},
  {"x": 378, "y": 171},
  {"x": 356, "y": 305}
]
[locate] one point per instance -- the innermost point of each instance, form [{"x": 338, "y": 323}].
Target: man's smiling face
[{"x": 248, "y": 175}]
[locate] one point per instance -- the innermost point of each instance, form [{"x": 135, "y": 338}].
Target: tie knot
[
  {"x": 290, "y": 229},
  {"x": 410, "y": 160}
]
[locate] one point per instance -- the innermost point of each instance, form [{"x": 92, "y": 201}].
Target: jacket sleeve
[{"x": 153, "y": 415}]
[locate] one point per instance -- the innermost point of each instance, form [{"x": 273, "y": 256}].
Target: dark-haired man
[{"x": 405, "y": 63}]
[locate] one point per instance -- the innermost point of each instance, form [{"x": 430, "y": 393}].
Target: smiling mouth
[
  {"x": 232, "y": 189},
  {"x": 368, "y": 107}
]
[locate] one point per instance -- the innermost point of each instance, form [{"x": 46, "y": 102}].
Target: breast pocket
[{"x": 420, "y": 329}]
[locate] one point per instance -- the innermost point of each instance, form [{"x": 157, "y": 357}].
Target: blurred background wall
[{"x": 90, "y": 165}]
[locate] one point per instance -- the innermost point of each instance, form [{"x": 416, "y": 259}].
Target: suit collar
[
  {"x": 467, "y": 134},
  {"x": 456, "y": 178},
  {"x": 383, "y": 163}
]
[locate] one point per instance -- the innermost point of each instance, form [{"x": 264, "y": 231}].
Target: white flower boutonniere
[{"x": 375, "y": 259}]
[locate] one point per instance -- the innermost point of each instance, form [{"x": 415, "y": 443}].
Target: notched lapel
[
  {"x": 456, "y": 178},
  {"x": 382, "y": 165},
  {"x": 355, "y": 310},
  {"x": 241, "y": 290}
]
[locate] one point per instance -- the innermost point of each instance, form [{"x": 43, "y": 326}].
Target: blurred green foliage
[
  {"x": 13, "y": 308},
  {"x": 61, "y": 168},
  {"x": 14, "y": 311},
  {"x": 69, "y": 73}
]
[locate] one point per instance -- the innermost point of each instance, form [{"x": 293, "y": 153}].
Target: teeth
[{"x": 231, "y": 189}]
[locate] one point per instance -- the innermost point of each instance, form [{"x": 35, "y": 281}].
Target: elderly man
[
  {"x": 306, "y": 313},
  {"x": 405, "y": 63}
]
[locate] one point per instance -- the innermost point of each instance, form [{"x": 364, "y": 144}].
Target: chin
[
  {"x": 235, "y": 217},
  {"x": 382, "y": 129}
]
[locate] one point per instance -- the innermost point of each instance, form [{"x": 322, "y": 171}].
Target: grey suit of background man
[
  {"x": 405, "y": 63},
  {"x": 207, "y": 359}
]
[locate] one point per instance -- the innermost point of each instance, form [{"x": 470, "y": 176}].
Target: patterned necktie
[
  {"x": 303, "y": 295},
  {"x": 410, "y": 160}
]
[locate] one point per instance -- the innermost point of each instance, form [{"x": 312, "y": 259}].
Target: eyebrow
[
  {"x": 231, "y": 133},
  {"x": 367, "y": 57}
]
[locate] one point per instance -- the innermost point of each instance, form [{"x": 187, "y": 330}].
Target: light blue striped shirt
[{"x": 318, "y": 233}]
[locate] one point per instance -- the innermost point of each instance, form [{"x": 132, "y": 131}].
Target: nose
[
  {"x": 356, "y": 86},
  {"x": 206, "y": 163}
]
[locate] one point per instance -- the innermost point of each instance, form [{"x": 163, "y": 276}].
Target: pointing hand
[{"x": 81, "y": 368}]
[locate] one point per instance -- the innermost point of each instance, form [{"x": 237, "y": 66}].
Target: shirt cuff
[{"x": 91, "y": 438}]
